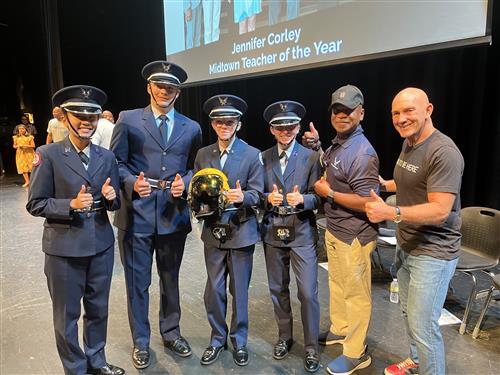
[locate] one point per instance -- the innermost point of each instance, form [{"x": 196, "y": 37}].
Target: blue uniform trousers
[
  {"x": 71, "y": 279},
  {"x": 237, "y": 263},
  {"x": 136, "y": 252},
  {"x": 305, "y": 266}
]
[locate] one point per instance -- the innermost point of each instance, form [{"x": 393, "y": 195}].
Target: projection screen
[{"x": 217, "y": 40}]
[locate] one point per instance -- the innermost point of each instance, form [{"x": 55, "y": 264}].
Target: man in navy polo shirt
[{"x": 351, "y": 171}]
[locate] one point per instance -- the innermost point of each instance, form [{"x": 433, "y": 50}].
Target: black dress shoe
[
  {"x": 179, "y": 347},
  {"x": 240, "y": 356},
  {"x": 281, "y": 348},
  {"x": 211, "y": 354},
  {"x": 311, "y": 361},
  {"x": 140, "y": 358},
  {"x": 106, "y": 370}
]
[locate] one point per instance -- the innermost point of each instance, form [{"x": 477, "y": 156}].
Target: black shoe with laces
[
  {"x": 282, "y": 348},
  {"x": 211, "y": 354},
  {"x": 240, "y": 356},
  {"x": 141, "y": 358}
]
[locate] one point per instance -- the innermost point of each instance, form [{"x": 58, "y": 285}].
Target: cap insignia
[
  {"x": 222, "y": 100},
  {"x": 86, "y": 93},
  {"x": 166, "y": 67},
  {"x": 283, "y": 107},
  {"x": 342, "y": 94}
]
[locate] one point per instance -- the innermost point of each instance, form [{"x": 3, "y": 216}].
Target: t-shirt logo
[
  {"x": 335, "y": 163},
  {"x": 409, "y": 167}
]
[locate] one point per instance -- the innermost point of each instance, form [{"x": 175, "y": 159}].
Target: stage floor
[{"x": 27, "y": 338}]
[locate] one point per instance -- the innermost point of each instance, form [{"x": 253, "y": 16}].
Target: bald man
[{"x": 427, "y": 179}]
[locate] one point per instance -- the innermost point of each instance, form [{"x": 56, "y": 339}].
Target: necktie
[
  {"x": 223, "y": 157},
  {"x": 84, "y": 158},
  {"x": 164, "y": 128},
  {"x": 283, "y": 161}
]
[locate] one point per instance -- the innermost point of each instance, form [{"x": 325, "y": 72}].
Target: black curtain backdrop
[{"x": 106, "y": 43}]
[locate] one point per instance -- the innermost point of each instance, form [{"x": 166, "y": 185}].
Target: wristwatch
[
  {"x": 329, "y": 198},
  {"x": 397, "y": 218}
]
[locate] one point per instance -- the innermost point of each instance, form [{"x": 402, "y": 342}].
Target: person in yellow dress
[{"x": 24, "y": 144}]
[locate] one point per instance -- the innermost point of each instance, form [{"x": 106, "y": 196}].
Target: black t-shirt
[{"x": 435, "y": 165}]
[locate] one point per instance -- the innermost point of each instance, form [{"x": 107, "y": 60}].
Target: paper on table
[
  {"x": 388, "y": 240},
  {"x": 448, "y": 318}
]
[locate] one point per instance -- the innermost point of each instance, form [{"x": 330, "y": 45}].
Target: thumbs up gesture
[
  {"x": 295, "y": 198},
  {"x": 107, "y": 190},
  {"x": 310, "y": 139},
  {"x": 177, "y": 187},
  {"x": 141, "y": 186},
  {"x": 275, "y": 198},
  {"x": 82, "y": 200},
  {"x": 235, "y": 195},
  {"x": 322, "y": 187},
  {"x": 377, "y": 210}
]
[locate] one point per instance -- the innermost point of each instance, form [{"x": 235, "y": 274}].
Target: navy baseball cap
[{"x": 349, "y": 96}]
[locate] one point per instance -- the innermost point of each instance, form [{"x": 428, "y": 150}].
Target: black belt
[
  {"x": 285, "y": 210},
  {"x": 95, "y": 206},
  {"x": 158, "y": 184}
]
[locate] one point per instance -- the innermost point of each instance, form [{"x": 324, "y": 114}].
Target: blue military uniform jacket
[
  {"x": 243, "y": 163},
  {"x": 56, "y": 179},
  {"x": 303, "y": 169},
  {"x": 139, "y": 147}
]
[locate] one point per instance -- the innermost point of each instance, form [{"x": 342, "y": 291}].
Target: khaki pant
[{"x": 349, "y": 279}]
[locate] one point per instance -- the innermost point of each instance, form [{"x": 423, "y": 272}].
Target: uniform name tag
[{"x": 283, "y": 233}]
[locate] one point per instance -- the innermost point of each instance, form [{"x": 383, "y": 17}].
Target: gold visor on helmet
[{"x": 207, "y": 192}]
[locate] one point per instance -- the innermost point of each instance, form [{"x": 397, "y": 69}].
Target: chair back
[{"x": 481, "y": 232}]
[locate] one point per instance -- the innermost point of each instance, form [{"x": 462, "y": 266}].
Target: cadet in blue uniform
[
  {"x": 155, "y": 148},
  {"x": 289, "y": 229},
  {"x": 73, "y": 184},
  {"x": 232, "y": 252}
]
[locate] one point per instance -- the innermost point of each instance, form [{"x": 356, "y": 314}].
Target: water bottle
[{"x": 394, "y": 288}]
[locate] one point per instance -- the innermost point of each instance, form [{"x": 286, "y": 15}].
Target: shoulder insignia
[{"x": 37, "y": 159}]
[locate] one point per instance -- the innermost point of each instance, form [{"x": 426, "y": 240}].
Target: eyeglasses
[
  {"x": 228, "y": 123},
  {"x": 284, "y": 128}
]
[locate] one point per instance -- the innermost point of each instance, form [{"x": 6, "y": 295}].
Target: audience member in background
[
  {"x": 26, "y": 123},
  {"x": 108, "y": 115},
  {"x": 56, "y": 130},
  {"x": 24, "y": 144},
  {"x": 104, "y": 131}
]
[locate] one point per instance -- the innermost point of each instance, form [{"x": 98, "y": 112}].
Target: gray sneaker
[
  {"x": 343, "y": 365},
  {"x": 328, "y": 338}
]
